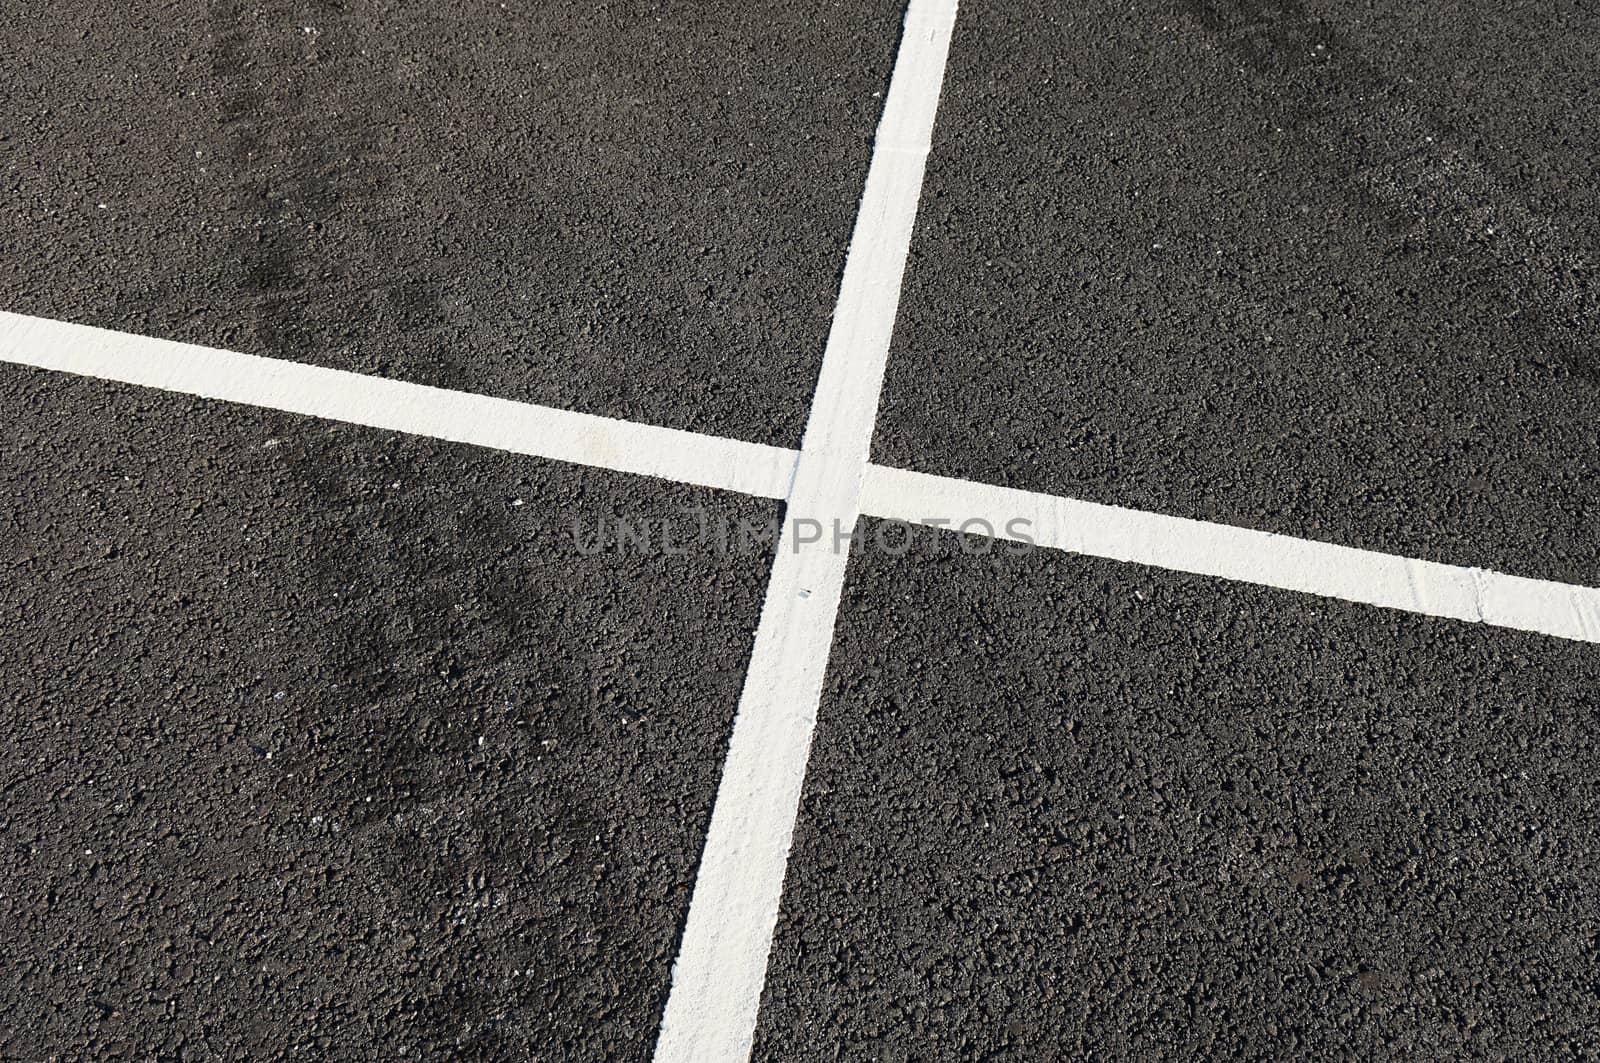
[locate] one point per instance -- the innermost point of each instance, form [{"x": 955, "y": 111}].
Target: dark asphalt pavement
[
  {"x": 1316, "y": 268},
  {"x": 637, "y": 210},
  {"x": 324, "y": 742},
  {"x": 327, "y": 742},
  {"x": 1064, "y": 808}
]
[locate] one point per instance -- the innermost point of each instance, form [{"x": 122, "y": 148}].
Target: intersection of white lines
[{"x": 718, "y": 977}]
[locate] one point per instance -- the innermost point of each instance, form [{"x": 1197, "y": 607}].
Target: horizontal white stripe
[
  {"x": 1471, "y": 594},
  {"x": 1241, "y": 554},
  {"x": 519, "y": 427}
]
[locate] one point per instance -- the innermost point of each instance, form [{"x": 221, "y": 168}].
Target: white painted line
[
  {"x": 523, "y": 428},
  {"x": 710, "y": 1015},
  {"x": 1333, "y": 571},
  {"x": 1472, "y": 594}
]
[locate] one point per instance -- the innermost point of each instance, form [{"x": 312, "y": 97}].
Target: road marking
[
  {"x": 718, "y": 979},
  {"x": 519, "y": 427},
  {"x": 1564, "y": 610},
  {"x": 1242, "y": 554},
  {"x": 710, "y": 1015}
]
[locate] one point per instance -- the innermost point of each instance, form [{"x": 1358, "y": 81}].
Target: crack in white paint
[{"x": 1243, "y": 555}]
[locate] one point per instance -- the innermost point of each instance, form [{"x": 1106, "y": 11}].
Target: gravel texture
[
  {"x": 324, "y": 742},
  {"x": 633, "y": 209},
  {"x": 1062, "y": 808},
  {"x": 1318, "y": 268}
]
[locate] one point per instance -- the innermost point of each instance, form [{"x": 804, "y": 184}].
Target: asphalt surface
[
  {"x": 1316, "y": 268},
  {"x": 1064, "y": 808},
  {"x": 637, "y": 210},
  {"x": 329, "y": 743}
]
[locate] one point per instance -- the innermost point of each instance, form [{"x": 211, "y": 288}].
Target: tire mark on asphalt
[
  {"x": 304, "y": 164},
  {"x": 1361, "y": 127}
]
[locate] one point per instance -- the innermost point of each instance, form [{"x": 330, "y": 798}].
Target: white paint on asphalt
[
  {"x": 1241, "y": 554},
  {"x": 1247, "y": 556},
  {"x": 710, "y": 1015},
  {"x": 519, "y": 427},
  {"x": 720, "y": 972}
]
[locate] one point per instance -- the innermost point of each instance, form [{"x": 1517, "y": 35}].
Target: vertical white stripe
[{"x": 710, "y": 1015}]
